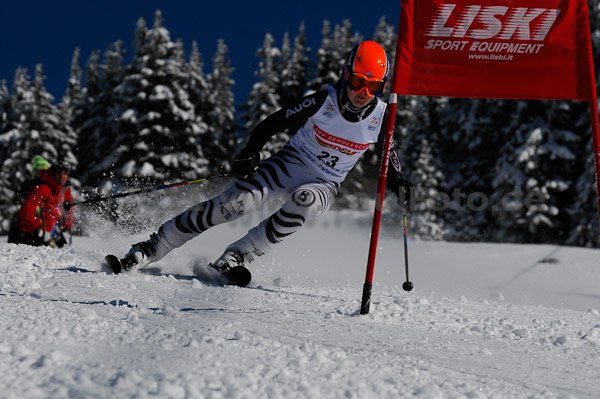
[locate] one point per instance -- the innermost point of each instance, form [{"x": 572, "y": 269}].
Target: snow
[
  {"x": 484, "y": 320},
  {"x": 160, "y": 93},
  {"x": 129, "y": 116},
  {"x": 147, "y": 169}
]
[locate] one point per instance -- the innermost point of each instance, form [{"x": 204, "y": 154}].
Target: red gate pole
[
  {"x": 596, "y": 145},
  {"x": 390, "y": 119},
  {"x": 593, "y": 101}
]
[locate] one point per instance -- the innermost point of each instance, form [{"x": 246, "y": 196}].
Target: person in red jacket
[{"x": 40, "y": 221}]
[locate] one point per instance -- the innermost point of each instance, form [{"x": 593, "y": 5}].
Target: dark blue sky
[{"x": 47, "y": 32}]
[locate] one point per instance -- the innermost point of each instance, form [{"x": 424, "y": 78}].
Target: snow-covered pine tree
[
  {"x": 200, "y": 96},
  {"x": 584, "y": 209},
  {"x": 67, "y": 110},
  {"x": 263, "y": 100},
  {"x": 4, "y": 112},
  {"x": 325, "y": 74},
  {"x": 5, "y": 151},
  {"x": 294, "y": 67},
  {"x": 471, "y": 134},
  {"x": 419, "y": 153},
  {"x": 13, "y": 141},
  {"x": 343, "y": 39},
  {"x": 71, "y": 101},
  {"x": 57, "y": 138},
  {"x": 96, "y": 114},
  {"x": 197, "y": 83},
  {"x": 154, "y": 132},
  {"x": 536, "y": 173},
  {"x": 282, "y": 67},
  {"x": 4, "y": 101},
  {"x": 332, "y": 53},
  {"x": 93, "y": 122},
  {"x": 426, "y": 220},
  {"x": 221, "y": 113}
]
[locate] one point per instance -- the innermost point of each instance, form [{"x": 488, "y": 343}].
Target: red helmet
[{"x": 366, "y": 68}]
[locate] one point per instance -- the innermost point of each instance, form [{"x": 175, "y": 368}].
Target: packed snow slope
[{"x": 484, "y": 321}]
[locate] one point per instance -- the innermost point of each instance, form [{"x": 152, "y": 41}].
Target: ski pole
[
  {"x": 67, "y": 205},
  {"x": 407, "y": 285}
]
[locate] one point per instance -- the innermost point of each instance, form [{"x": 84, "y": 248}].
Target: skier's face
[
  {"x": 61, "y": 177},
  {"x": 361, "y": 99}
]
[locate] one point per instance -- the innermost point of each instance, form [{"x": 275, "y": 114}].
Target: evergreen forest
[{"x": 484, "y": 169}]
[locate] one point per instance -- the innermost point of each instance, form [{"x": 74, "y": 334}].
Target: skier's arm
[
  {"x": 66, "y": 220},
  {"x": 394, "y": 168},
  {"x": 290, "y": 117},
  {"x": 31, "y": 209},
  {"x": 395, "y": 179}
]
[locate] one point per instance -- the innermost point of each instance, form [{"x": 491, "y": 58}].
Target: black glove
[
  {"x": 67, "y": 206},
  {"x": 245, "y": 166},
  {"x": 395, "y": 182}
]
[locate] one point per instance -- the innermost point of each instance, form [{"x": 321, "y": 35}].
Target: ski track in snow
[{"x": 70, "y": 329}]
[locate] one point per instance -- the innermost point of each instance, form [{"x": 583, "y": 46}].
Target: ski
[
  {"x": 114, "y": 263},
  {"x": 238, "y": 275}
]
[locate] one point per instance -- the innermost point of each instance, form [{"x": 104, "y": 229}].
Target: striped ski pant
[{"x": 283, "y": 177}]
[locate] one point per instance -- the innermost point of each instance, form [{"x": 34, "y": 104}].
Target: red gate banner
[{"x": 526, "y": 49}]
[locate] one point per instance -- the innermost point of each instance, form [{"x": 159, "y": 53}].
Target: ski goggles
[{"x": 359, "y": 82}]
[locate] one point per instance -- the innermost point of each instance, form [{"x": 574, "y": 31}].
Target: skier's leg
[
  {"x": 241, "y": 198},
  {"x": 308, "y": 202},
  {"x": 275, "y": 178}
]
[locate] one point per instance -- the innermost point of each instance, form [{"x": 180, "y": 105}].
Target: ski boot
[
  {"x": 146, "y": 252},
  {"x": 236, "y": 255},
  {"x": 230, "y": 268}
]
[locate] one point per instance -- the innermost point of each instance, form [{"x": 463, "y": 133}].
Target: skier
[
  {"x": 337, "y": 125},
  {"x": 39, "y": 221}
]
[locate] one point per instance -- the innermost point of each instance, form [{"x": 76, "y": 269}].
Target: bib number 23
[{"x": 328, "y": 159}]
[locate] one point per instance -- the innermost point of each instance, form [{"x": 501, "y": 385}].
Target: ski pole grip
[{"x": 67, "y": 206}]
